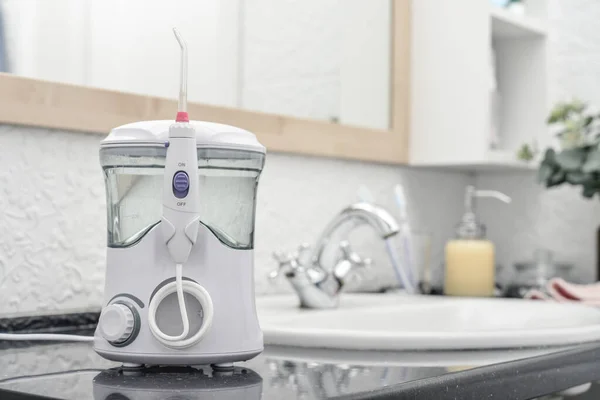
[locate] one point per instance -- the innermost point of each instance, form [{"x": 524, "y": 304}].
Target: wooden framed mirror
[{"x": 89, "y": 99}]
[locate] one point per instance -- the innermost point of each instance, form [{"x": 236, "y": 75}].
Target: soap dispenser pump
[{"x": 470, "y": 264}]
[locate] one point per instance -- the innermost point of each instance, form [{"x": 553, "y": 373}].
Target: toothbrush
[{"x": 405, "y": 234}]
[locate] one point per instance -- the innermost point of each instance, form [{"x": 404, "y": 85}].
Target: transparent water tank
[{"x": 229, "y": 165}]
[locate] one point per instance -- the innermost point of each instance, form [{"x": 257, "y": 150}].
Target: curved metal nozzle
[
  {"x": 378, "y": 218},
  {"x": 183, "y": 77}
]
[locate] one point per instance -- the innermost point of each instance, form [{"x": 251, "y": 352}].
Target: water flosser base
[{"x": 135, "y": 273}]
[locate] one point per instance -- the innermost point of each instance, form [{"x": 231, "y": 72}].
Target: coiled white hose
[{"x": 180, "y": 287}]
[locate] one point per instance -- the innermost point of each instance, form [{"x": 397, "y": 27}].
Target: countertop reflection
[
  {"x": 177, "y": 383},
  {"x": 74, "y": 371}
]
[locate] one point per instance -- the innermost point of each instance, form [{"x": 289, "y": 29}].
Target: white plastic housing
[
  {"x": 227, "y": 274},
  {"x": 208, "y": 134}
]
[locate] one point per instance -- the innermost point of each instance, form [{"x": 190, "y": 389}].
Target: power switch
[{"x": 181, "y": 184}]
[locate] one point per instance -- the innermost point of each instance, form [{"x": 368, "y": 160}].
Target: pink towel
[
  {"x": 535, "y": 294},
  {"x": 562, "y": 291},
  {"x": 559, "y": 288}
]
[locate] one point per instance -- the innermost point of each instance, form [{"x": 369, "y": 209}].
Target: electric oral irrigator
[{"x": 181, "y": 200}]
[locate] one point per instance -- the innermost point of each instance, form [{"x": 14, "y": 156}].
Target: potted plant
[{"x": 577, "y": 159}]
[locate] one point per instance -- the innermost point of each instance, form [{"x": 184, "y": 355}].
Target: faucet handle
[
  {"x": 353, "y": 257},
  {"x": 349, "y": 261},
  {"x": 302, "y": 253},
  {"x": 287, "y": 262}
]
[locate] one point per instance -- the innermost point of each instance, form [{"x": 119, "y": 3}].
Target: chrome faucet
[{"x": 318, "y": 275}]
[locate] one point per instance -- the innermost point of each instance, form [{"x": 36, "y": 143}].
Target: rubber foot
[
  {"x": 222, "y": 367},
  {"x": 132, "y": 366}
]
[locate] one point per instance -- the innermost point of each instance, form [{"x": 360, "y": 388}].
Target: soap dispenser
[{"x": 470, "y": 265}]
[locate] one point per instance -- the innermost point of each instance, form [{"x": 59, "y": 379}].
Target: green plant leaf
[
  {"x": 571, "y": 159},
  {"x": 558, "y": 113},
  {"x": 550, "y": 157},
  {"x": 588, "y": 121},
  {"x": 579, "y": 178},
  {"x": 562, "y": 111},
  {"x": 557, "y": 179},
  {"x": 592, "y": 164},
  {"x": 525, "y": 153},
  {"x": 544, "y": 172},
  {"x": 589, "y": 191}
]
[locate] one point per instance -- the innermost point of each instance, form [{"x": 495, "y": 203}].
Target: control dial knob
[{"x": 116, "y": 323}]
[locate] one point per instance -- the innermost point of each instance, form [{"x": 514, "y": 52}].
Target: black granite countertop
[{"x": 74, "y": 371}]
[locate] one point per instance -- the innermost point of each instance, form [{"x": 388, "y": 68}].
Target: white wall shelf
[
  {"x": 476, "y": 69},
  {"x": 507, "y": 25},
  {"x": 498, "y": 159},
  {"x": 495, "y": 160}
]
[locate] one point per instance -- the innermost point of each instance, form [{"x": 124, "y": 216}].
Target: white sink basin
[{"x": 400, "y": 322}]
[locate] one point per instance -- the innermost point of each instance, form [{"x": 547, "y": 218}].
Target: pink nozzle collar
[{"x": 182, "y": 116}]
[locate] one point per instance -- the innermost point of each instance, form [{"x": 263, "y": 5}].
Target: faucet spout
[{"x": 378, "y": 218}]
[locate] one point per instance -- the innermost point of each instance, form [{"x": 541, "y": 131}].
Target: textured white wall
[
  {"x": 574, "y": 59},
  {"x": 53, "y": 222},
  {"x": 558, "y": 219},
  {"x": 52, "y": 215}
]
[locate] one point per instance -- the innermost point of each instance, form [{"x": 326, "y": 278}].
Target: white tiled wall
[
  {"x": 558, "y": 219},
  {"x": 53, "y": 223}
]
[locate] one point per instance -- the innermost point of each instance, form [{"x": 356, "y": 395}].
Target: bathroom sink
[{"x": 402, "y": 322}]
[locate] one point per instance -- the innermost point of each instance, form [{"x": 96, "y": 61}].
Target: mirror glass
[{"x": 318, "y": 59}]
